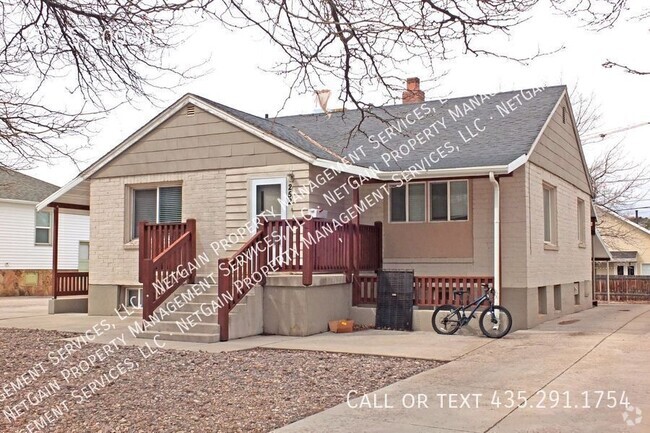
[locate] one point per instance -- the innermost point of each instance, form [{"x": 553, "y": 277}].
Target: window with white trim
[
  {"x": 156, "y": 205},
  {"x": 133, "y": 297},
  {"x": 550, "y": 215},
  {"x": 408, "y": 203},
  {"x": 43, "y": 228},
  {"x": 448, "y": 201},
  {"x": 581, "y": 222}
]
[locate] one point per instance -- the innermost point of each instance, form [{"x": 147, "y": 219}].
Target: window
[
  {"x": 557, "y": 297},
  {"x": 43, "y": 227},
  {"x": 156, "y": 205},
  {"x": 84, "y": 252},
  {"x": 448, "y": 201},
  {"x": 407, "y": 203},
  {"x": 630, "y": 270},
  {"x": 581, "y": 222},
  {"x": 268, "y": 199},
  {"x": 550, "y": 215},
  {"x": 541, "y": 300},
  {"x": 576, "y": 293},
  {"x": 620, "y": 270},
  {"x": 134, "y": 297}
]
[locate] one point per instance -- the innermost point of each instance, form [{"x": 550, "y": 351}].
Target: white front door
[{"x": 268, "y": 196}]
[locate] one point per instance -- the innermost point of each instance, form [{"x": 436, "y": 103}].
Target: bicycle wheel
[
  {"x": 495, "y": 322},
  {"x": 445, "y": 320}
]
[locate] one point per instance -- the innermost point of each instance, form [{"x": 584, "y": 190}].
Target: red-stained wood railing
[
  {"x": 370, "y": 256},
  {"x": 239, "y": 274},
  {"x": 318, "y": 246},
  {"x": 70, "y": 283},
  {"x": 428, "y": 291},
  {"x": 153, "y": 239},
  {"x": 306, "y": 245},
  {"x": 166, "y": 251}
]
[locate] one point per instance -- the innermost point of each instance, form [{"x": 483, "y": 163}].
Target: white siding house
[{"x": 26, "y": 237}]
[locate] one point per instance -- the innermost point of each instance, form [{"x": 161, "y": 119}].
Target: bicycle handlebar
[{"x": 487, "y": 288}]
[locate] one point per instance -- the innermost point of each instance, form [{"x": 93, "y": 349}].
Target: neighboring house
[
  {"x": 628, "y": 242},
  {"x": 26, "y": 237},
  {"x": 504, "y": 169}
]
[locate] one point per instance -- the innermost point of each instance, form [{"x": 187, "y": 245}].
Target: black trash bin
[{"x": 394, "y": 300}]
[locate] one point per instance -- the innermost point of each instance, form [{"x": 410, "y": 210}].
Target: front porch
[{"x": 318, "y": 265}]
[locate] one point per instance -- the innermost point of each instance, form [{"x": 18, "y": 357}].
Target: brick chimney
[{"x": 412, "y": 94}]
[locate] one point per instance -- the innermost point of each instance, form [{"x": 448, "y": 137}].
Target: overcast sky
[{"x": 238, "y": 79}]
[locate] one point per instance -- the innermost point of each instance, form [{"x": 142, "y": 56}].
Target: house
[
  {"x": 26, "y": 237},
  {"x": 628, "y": 242},
  {"x": 466, "y": 191}
]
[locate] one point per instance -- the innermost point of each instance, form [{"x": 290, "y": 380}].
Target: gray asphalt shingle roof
[
  {"x": 503, "y": 139},
  {"x": 18, "y": 186}
]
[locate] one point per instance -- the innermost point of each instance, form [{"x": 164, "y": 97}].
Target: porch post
[
  {"x": 55, "y": 253},
  {"x": 356, "y": 249},
  {"x": 607, "y": 282},
  {"x": 308, "y": 253}
]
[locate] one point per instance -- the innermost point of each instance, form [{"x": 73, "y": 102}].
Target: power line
[{"x": 602, "y": 135}]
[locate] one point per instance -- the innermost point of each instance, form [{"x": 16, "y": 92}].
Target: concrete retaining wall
[{"x": 293, "y": 309}]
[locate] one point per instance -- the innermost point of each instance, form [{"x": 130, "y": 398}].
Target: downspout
[{"x": 497, "y": 239}]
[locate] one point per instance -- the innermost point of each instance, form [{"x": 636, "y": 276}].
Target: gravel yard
[{"x": 48, "y": 386}]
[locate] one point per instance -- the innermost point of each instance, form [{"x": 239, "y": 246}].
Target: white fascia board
[
  {"x": 627, "y": 221},
  {"x": 346, "y": 168},
  {"x": 450, "y": 172},
  {"x": 517, "y": 163},
  {"x": 60, "y": 192}
]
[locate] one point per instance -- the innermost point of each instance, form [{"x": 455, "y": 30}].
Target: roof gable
[
  {"x": 558, "y": 149},
  {"x": 193, "y": 139}
]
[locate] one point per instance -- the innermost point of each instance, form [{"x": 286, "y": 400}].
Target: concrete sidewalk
[
  {"x": 567, "y": 360},
  {"x": 31, "y": 313}
]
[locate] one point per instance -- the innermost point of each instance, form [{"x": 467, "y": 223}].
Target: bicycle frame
[{"x": 476, "y": 302}]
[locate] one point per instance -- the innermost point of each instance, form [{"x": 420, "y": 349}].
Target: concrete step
[
  {"x": 188, "y": 337},
  {"x": 176, "y": 316},
  {"x": 198, "y": 328}
]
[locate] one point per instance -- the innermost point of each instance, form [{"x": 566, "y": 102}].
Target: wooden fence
[
  {"x": 624, "y": 288},
  {"x": 427, "y": 291}
]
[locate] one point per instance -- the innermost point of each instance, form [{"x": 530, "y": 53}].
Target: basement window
[{"x": 133, "y": 297}]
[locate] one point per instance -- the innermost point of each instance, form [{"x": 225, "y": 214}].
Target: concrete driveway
[{"x": 563, "y": 374}]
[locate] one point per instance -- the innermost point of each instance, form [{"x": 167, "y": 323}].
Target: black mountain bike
[{"x": 495, "y": 321}]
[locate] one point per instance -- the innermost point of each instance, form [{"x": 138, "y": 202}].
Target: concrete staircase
[{"x": 196, "y": 321}]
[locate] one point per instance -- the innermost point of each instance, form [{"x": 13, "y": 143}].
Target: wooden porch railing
[
  {"x": 319, "y": 245},
  {"x": 428, "y": 291},
  {"x": 70, "y": 283},
  {"x": 165, "y": 252},
  {"x": 239, "y": 274},
  {"x": 295, "y": 245}
]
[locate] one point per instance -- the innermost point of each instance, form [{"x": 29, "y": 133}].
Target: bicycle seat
[{"x": 459, "y": 292}]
